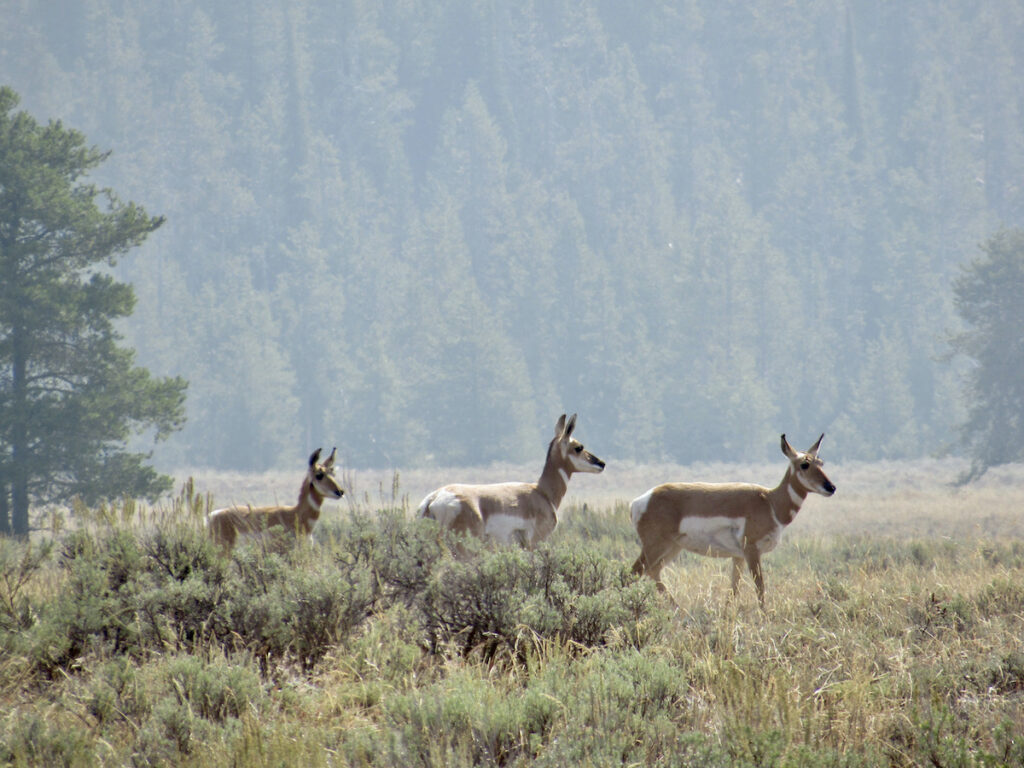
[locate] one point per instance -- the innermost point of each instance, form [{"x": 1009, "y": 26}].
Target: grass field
[{"x": 892, "y": 636}]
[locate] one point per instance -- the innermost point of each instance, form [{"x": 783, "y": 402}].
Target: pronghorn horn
[
  {"x": 330, "y": 459},
  {"x": 314, "y": 457},
  {"x": 560, "y": 426},
  {"x": 569, "y": 427},
  {"x": 788, "y": 449},
  {"x": 813, "y": 450}
]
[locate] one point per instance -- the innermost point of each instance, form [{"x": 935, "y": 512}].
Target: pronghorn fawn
[
  {"x": 228, "y": 525},
  {"x": 738, "y": 520},
  {"x": 520, "y": 513}
]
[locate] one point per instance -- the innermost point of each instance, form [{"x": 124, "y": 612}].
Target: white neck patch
[
  {"x": 313, "y": 501},
  {"x": 565, "y": 476},
  {"x": 794, "y": 496}
]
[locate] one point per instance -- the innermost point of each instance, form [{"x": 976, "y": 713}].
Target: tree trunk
[
  {"x": 19, "y": 468},
  {"x": 5, "y": 508},
  {"x": 19, "y": 516}
]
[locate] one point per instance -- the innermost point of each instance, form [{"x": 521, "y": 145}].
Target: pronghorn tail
[{"x": 424, "y": 508}]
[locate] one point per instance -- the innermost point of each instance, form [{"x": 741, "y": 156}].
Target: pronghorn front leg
[
  {"x": 754, "y": 564},
  {"x": 737, "y": 572}
]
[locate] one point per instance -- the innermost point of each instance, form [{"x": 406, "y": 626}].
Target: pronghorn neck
[
  {"x": 554, "y": 479},
  {"x": 787, "y": 497},
  {"x": 310, "y": 500}
]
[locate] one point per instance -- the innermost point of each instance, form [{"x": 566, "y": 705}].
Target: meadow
[{"x": 892, "y": 635}]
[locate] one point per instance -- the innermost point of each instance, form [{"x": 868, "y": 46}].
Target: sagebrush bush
[
  {"x": 19, "y": 565},
  {"x": 172, "y": 590},
  {"x": 399, "y": 555},
  {"x": 30, "y": 739},
  {"x": 507, "y": 598}
]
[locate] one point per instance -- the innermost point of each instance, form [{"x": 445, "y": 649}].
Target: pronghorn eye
[
  {"x": 805, "y": 465},
  {"x": 320, "y": 475},
  {"x": 579, "y": 449}
]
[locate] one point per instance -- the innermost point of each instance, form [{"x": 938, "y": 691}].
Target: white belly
[
  {"x": 715, "y": 536},
  {"x": 509, "y": 529}
]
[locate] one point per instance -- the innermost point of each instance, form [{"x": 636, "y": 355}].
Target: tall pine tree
[{"x": 69, "y": 395}]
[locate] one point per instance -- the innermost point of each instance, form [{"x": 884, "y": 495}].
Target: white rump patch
[
  {"x": 509, "y": 529},
  {"x": 715, "y": 536},
  {"x": 444, "y": 507},
  {"x": 638, "y": 506}
]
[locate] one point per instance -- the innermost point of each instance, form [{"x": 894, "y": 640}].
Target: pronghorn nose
[{"x": 830, "y": 488}]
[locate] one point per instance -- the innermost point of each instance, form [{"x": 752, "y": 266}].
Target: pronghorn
[
  {"x": 521, "y": 513},
  {"x": 228, "y": 524},
  {"x": 738, "y": 520}
]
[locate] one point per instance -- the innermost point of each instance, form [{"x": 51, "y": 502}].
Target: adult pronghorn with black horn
[
  {"x": 738, "y": 520},
  {"x": 229, "y": 524},
  {"x": 521, "y": 513}
]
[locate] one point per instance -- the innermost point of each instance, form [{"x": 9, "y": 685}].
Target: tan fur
[
  {"x": 227, "y": 525},
  {"x": 677, "y": 516},
  {"x": 522, "y": 513}
]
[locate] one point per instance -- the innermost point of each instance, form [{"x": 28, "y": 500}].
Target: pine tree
[{"x": 69, "y": 395}]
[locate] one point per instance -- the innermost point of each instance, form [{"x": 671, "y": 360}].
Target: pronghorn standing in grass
[
  {"x": 227, "y": 525},
  {"x": 738, "y": 520},
  {"x": 521, "y": 513}
]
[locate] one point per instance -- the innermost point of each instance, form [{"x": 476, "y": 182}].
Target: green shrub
[
  {"x": 215, "y": 690},
  {"x": 116, "y": 693},
  {"x": 178, "y": 551},
  {"x": 400, "y": 555},
  {"x": 19, "y": 563},
  {"x": 85, "y": 615},
  {"x": 31, "y": 739},
  {"x": 324, "y": 609},
  {"x": 508, "y": 598}
]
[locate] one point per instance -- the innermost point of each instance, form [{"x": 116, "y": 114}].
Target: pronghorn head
[
  {"x": 321, "y": 476},
  {"x": 807, "y": 468},
  {"x": 575, "y": 458}
]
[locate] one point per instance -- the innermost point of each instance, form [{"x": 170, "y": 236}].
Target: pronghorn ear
[
  {"x": 788, "y": 449},
  {"x": 314, "y": 457},
  {"x": 813, "y": 450},
  {"x": 330, "y": 459},
  {"x": 560, "y": 426},
  {"x": 569, "y": 427}
]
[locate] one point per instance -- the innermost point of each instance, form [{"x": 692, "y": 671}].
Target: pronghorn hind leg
[
  {"x": 652, "y": 568},
  {"x": 640, "y": 566}
]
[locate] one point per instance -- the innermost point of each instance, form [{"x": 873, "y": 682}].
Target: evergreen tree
[
  {"x": 987, "y": 295},
  {"x": 69, "y": 395}
]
